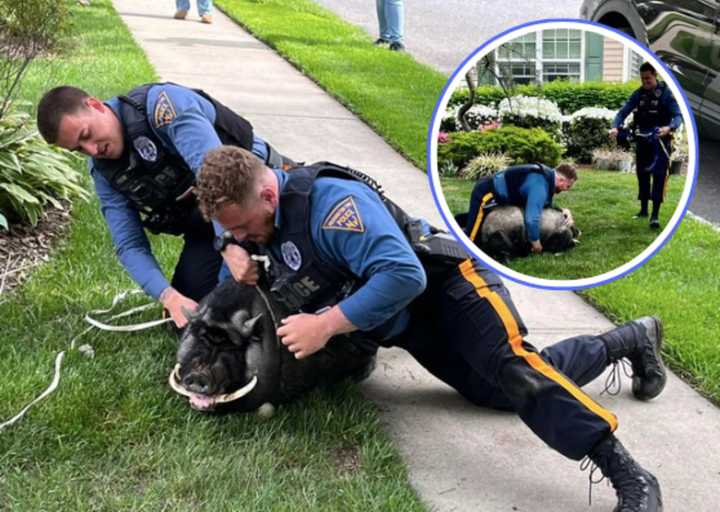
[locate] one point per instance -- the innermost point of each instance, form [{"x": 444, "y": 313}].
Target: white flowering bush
[
  {"x": 479, "y": 115},
  {"x": 587, "y": 130},
  {"x": 532, "y": 112}
]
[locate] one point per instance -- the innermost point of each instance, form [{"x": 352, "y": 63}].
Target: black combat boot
[
  {"x": 637, "y": 489},
  {"x": 639, "y": 341}
]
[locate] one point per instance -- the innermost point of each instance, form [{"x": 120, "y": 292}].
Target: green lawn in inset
[{"x": 603, "y": 204}]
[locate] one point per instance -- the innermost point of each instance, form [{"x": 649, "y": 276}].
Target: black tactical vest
[
  {"x": 152, "y": 178},
  {"x": 302, "y": 280},
  {"x": 650, "y": 113},
  {"x": 515, "y": 176}
]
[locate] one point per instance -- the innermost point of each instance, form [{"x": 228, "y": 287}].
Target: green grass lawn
[
  {"x": 603, "y": 204},
  {"x": 114, "y": 436},
  {"x": 681, "y": 285}
]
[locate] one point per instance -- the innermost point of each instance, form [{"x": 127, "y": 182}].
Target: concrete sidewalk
[{"x": 459, "y": 457}]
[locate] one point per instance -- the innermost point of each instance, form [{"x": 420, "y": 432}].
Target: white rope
[
  {"x": 120, "y": 297},
  {"x": 53, "y": 385},
  {"x": 126, "y": 328}
]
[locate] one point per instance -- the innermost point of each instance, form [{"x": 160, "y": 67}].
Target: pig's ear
[{"x": 243, "y": 324}]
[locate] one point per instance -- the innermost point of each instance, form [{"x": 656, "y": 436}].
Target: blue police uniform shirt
[
  {"x": 190, "y": 135},
  {"x": 535, "y": 191},
  {"x": 378, "y": 253},
  {"x": 666, "y": 102}
]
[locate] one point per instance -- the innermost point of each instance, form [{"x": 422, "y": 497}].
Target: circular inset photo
[{"x": 562, "y": 154}]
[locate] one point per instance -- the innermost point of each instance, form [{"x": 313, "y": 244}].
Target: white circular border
[{"x": 436, "y": 187}]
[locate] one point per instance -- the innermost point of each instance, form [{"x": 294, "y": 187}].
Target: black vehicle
[{"x": 684, "y": 34}]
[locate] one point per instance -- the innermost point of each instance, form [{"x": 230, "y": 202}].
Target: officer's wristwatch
[{"x": 222, "y": 241}]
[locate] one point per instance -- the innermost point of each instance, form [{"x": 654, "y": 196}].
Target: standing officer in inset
[
  {"x": 529, "y": 186},
  {"x": 656, "y": 115},
  {"x": 145, "y": 149},
  {"x": 348, "y": 260}
]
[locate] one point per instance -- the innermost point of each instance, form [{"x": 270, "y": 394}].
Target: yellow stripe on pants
[
  {"x": 481, "y": 213},
  {"x": 533, "y": 359}
]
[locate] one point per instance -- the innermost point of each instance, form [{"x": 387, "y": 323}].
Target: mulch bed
[{"x": 25, "y": 247}]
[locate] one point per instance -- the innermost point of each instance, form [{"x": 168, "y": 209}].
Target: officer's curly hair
[
  {"x": 229, "y": 174},
  {"x": 56, "y": 104}
]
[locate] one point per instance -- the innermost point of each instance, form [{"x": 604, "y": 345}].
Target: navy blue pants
[
  {"x": 466, "y": 332},
  {"x": 482, "y": 194},
  {"x": 196, "y": 272},
  {"x": 652, "y": 170}
]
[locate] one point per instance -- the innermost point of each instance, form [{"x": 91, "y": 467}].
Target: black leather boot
[
  {"x": 637, "y": 489},
  {"x": 639, "y": 342}
]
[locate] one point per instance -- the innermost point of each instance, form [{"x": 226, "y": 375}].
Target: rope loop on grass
[{"x": 94, "y": 324}]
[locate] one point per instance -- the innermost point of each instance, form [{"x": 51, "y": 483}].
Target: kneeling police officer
[
  {"x": 145, "y": 149},
  {"x": 348, "y": 260},
  {"x": 529, "y": 186}
]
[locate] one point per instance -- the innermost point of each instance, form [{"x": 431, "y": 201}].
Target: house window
[
  {"x": 517, "y": 72},
  {"x": 542, "y": 56},
  {"x": 520, "y": 48},
  {"x": 562, "y": 43},
  {"x": 569, "y": 71}
]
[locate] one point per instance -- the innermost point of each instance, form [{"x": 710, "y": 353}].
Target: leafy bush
[
  {"x": 486, "y": 164},
  {"x": 569, "y": 96},
  {"x": 521, "y": 145},
  {"x": 586, "y": 131},
  {"x": 532, "y": 112},
  {"x": 32, "y": 174}
]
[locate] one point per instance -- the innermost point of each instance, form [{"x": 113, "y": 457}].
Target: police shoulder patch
[
  {"x": 345, "y": 216},
  {"x": 164, "y": 110}
]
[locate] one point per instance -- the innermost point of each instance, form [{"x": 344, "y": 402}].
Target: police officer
[
  {"x": 655, "y": 114},
  {"x": 350, "y": 261},
  {"x": 145, "y": 149},
  {"x": 529, "y": 186}
]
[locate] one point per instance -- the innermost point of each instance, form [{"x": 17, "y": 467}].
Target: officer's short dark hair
[
  {"x": 567, "y": 171},
  {"x": 229, "y": 174},
  {"x": 646, "y": 66},
  {"x": 54, "y": 105}
]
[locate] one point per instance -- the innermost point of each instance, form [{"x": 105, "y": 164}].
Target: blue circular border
[{"x": 435, "y": 187}]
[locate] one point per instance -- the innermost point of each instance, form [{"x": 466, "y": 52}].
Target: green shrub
[
  {"x": 522, "y": 145},
  {"x": 587, "y": 131},
  {"x": 486, "y": 164},
  {"x": 569, "y": 96},
  {"x": 32, "y": 174}
]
